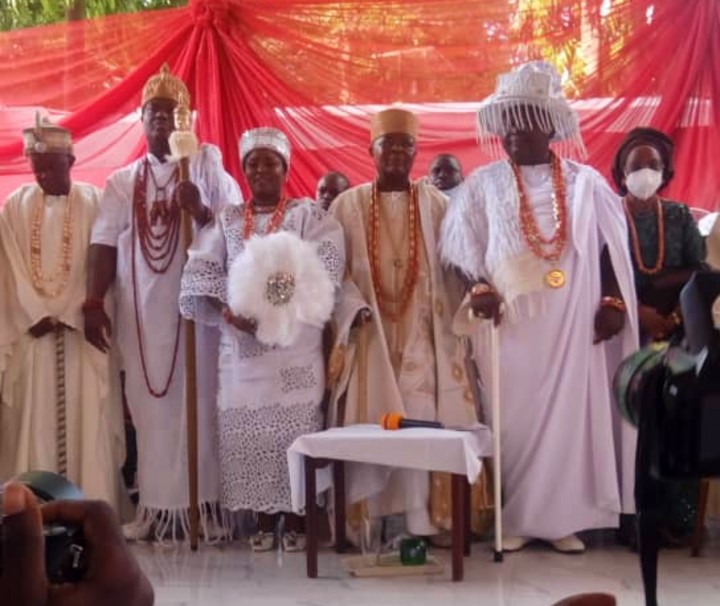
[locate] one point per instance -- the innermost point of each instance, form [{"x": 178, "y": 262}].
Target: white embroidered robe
[
  {"x": 568, "y": 458},
  {"x": 28, "y": 375},
  {"x": 161, "y": 422}
]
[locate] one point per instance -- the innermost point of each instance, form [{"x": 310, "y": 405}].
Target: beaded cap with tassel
[{"x": 530, "y": 93}]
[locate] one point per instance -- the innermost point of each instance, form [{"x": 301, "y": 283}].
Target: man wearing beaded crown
[
  {"x": 136, "y": 245},
  {"x": 57, "y": 410},
  {"x": 415, "y": 365},
  {"x": 542, "y": 243}
]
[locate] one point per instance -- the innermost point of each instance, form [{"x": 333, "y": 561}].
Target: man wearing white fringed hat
[
  {"x": 58, "y": 409},
  {"x": 398, "y": 300},
  {"x": 542, "y": 244},
  {"x": 136, "y": 246},
  {"x": 266, "y": 274}
]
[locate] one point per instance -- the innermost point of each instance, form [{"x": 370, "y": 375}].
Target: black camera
[{"x": 65, "y": 560}]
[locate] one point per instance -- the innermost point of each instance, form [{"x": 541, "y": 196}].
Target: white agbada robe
[
  {"x": 28, "y": 375},
  {"x": 268, "y": 396},
  {"x": 568, "y": 458},
  {"x": 161, "y": 422}
]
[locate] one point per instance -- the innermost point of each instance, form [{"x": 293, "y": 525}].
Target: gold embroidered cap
[
  {"x": 393, "y": 120},
  {"x": 164, "y": 85},
  {"x": 46, "y": 138}
]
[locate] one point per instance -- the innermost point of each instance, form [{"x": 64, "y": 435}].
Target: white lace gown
[
  {"x": 268, "y": 396},
  {"x": 568, "y": 458}
]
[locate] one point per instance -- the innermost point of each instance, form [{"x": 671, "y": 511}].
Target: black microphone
[{"x": 394, "y": 420}]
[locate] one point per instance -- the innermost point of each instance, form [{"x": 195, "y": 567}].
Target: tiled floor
[{"x": 232, "y": 575}]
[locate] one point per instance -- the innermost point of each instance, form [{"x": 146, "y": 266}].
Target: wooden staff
[{"x": 183, "y": 144}]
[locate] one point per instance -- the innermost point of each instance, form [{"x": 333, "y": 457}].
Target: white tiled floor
[{"x": 232, "y": 575}]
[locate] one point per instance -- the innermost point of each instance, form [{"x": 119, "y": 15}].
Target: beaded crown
[
  {"x": 268, "y": 138},
  {"x": 45, "y": 137},
  {"x": 530, "y": 93},
  {"x": 164, "y": 85}
]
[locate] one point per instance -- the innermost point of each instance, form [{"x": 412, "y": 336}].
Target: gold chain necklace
[{"x": 53, "y": 284}]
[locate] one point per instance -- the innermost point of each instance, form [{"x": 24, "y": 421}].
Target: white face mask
[{"x": 644, "y": 183}]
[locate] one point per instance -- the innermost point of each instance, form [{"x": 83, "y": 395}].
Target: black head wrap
[{"x": 643, "y": 136}]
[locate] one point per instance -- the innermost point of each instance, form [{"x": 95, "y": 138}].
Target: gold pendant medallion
[{"x": 555, "y": 278}]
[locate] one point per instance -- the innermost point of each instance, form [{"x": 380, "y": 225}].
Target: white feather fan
[{"x": 280, "y": 282}]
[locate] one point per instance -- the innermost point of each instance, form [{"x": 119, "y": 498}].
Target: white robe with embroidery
[
  {"x": 28, "y": 374},
  {"x": 269, "y": 396},
  {"x": 161, "y": 422},
  {"x": 568, "y": 458}
]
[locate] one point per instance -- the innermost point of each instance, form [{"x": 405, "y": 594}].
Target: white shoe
[
  {"x": 138, "y": 530},
  {"x": 293, "y": 542},
  {"x": 570, "y": 544},
  {"x": 262, "y": 541},
  {"x": 510, "y": 544}
]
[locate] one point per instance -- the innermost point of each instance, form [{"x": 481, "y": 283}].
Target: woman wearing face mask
[
  {"x": 666, "y": 248},
  {"x": 665, "y": 244}
]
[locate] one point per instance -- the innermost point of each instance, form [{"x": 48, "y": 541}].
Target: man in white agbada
[
  {"x": 542, "y": 243},
  {"x": 414, "y": 364},
  {"x": 58, "y": 411},
  {"x": 136, "y": 245},
  {"x": 271, "y": 386}
]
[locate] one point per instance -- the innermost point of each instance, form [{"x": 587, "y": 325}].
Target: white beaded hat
[
  {"x": 530, "y": 93},
  {"x": 46, "y": 138},
  {"x": 265, "y": 137}
]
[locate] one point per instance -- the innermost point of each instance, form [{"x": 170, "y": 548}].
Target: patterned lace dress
[{"x": 268, "y": 396}]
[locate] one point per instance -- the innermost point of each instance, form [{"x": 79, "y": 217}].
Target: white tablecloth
[{"x": 372, "y": 452}]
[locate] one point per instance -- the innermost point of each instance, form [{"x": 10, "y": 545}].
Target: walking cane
[
  {"x": 183, "y": 145},
  {"x": 495, "y": 407}
]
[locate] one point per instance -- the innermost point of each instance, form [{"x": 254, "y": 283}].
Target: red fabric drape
[{"x": 318, "y": 68}]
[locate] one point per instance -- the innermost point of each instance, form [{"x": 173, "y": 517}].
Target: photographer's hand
[
  {"x": 23, "y": 581},
  {"x": 113, "y": 577}
]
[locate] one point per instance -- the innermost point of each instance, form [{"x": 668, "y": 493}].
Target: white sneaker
[
  {"x": 293, "y": 542},
  {"x": 570, "y": 544},
  {"x": 510, "y": 544},
  {"x": 138, "y": 530},
  {"x": 262, "y": 541}
]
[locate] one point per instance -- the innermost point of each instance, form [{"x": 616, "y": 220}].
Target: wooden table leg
[
  {"x": 467, "y": 506},
  {"x": 311, "y": 518},
  {"x": 458, "y": 526},
  {"x": 341, "y": 542}
]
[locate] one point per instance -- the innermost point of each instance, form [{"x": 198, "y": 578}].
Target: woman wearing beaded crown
[
  {"x": 665, "y": 244},
  {"x": 269, "y": 394},
  {"x": 542, "y": 242},
  {"x": 135, "y": 245}
]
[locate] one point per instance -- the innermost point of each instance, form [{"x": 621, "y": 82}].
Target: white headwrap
[
  {"x": 265, "y": 137},
  {"x": 530, "y": 92}
]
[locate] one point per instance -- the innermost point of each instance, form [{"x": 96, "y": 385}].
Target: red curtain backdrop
[{"x": 318, "y": 69}]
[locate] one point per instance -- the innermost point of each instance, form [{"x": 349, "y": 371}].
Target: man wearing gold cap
[
  {"x": 57, "y": 411},
  {"x": 136, "y": 245},
  {"x": 412, "y": 364}
]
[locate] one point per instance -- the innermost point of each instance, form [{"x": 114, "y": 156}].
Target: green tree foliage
[{"x": 15, "y": 14}]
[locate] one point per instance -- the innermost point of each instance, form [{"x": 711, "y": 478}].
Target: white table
[{"x": 367, "y": 454}]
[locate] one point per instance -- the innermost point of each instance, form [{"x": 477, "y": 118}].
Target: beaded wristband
[{"x": 614, "y": 302}]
